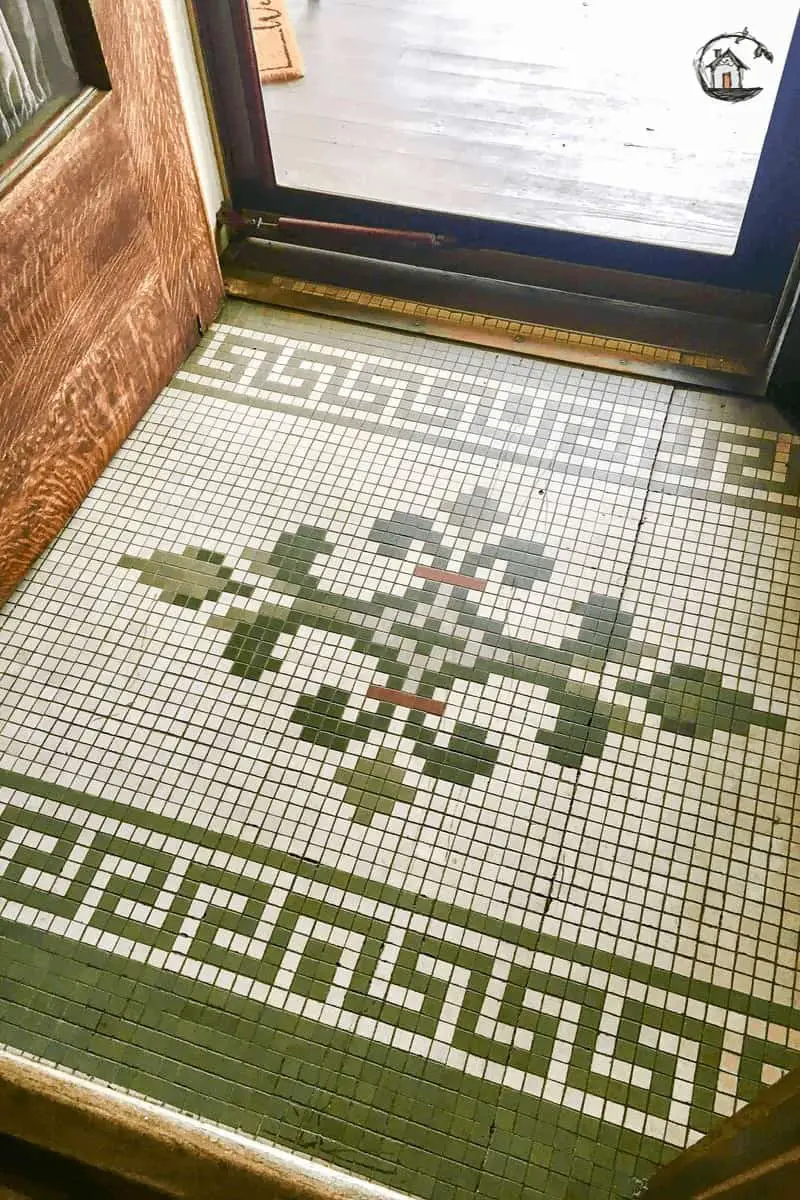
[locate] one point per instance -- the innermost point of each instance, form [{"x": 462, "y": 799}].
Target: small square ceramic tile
[{"x": 398, "y": 761}]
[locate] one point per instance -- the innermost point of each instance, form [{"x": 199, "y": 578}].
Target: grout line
[{"x": 559, "y": 865}]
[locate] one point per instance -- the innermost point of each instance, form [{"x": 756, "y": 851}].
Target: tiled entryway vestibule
[{"x": 399, "y": 751}]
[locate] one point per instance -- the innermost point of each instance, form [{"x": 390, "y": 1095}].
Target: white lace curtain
[{"x": 35, "y": 64}]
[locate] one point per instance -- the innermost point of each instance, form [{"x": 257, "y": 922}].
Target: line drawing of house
[
  {"x": 726, "y": 71},
  {"x": 720, "y": 70}
]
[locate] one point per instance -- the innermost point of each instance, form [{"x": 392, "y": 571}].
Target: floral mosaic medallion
[{"x": 433, "y": 634}]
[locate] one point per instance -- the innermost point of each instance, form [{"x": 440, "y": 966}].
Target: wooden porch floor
[{"x": 580, "y": 116}]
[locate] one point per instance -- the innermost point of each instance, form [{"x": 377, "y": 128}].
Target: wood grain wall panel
[
  {"x": 137, "y": 54},
  {"x": 49, "y": 263},
  {"x": 72, "y": 340},
  {"x": 107, "y": 265},
  {"x": 56, "y": 460}
]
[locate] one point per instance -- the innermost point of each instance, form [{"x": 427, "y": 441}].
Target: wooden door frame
[
  {"x": 757, "y": 1145},
  {"x": 767, "y": 240},
  {"x": 108, "y": 274}
]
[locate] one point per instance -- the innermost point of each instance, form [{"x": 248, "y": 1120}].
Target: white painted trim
[{"x": 194, "y": 105}]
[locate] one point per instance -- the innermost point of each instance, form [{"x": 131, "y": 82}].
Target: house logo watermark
[{"x": 733, "y": 66}]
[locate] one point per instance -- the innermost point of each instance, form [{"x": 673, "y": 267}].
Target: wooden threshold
[
  {"x": 753, "y": 1155},
  {"x": 149, "y": 1146},
  {"x": 503, "y": 266},
  {"x": 572, "y": 329}
]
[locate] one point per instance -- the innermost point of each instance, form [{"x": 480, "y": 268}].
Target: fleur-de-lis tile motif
[{"x": 433, "y": 634}]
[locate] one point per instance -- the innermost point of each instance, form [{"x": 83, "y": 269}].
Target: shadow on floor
[{"x": 29, "y": 1173}]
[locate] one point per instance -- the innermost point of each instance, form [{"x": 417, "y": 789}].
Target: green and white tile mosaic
[{"x": 398, "y": 760}]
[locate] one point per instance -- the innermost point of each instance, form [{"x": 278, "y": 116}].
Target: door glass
[
  {"x": 608, "y": 117},
  {"x": 37, "y": 75}
]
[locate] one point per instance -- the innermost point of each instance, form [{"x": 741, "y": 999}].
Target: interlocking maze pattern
[{"x": 82, "y": 884}]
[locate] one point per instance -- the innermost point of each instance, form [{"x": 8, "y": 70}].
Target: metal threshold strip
[{"x": 684, "y": 347}]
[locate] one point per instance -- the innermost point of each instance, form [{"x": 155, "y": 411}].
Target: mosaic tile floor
[{"x": 398, "y": 758}]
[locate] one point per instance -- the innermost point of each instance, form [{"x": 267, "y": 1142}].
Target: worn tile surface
[{"x": 398, "y": 752}]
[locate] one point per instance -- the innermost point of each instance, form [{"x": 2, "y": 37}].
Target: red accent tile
[
  {"x": 451, "y": 577},
  {"x": 406, "y": 700}
]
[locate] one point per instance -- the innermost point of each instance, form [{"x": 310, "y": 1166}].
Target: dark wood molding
[
  {"x": 545, "y": 322},
  {"x": 744, "y": 1156},
  {"x": 84, "y": 43},
  {"x": 784, "y": 387},
  {"x": 224, "y": 33}
]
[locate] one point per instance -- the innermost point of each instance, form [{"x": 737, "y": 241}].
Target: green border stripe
[{"x": 414, "y": 1125}]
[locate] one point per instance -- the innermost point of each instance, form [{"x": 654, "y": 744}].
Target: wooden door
[
  {"x": 754, "y": 1155},
  {"x": 108, "y": 272}
]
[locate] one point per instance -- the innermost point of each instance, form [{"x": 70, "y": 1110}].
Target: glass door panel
[
  {"x": 585, "y": 117},
  {"x": 37, "y": 74}
]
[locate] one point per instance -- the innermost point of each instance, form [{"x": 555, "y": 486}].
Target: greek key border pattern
[
  {"x": 641, "y": 442},
  {"x": 497, "y": 1003}
]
